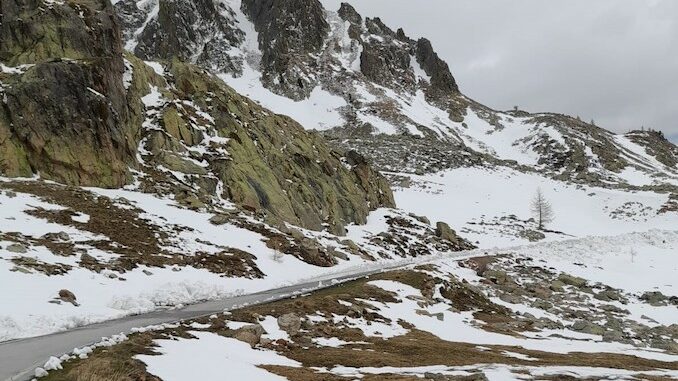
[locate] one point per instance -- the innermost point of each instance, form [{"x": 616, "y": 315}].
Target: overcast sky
[{"x": 614, "y": 61}]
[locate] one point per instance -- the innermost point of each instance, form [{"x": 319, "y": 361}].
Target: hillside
[
  {"x": 160, "y": 153},
  {"x": 390, "y": 97}
]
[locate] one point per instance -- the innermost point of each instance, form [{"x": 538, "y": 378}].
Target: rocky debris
[
  {"x": 68, "y": 297},
  {"x": 250, "y": 334},
  {"x": 518, "y": 280},
  {"x": 671, "y": 205},
  {"x": 290, "y": 323},
  {"x": 397, "y": 239},
  {"x": 25, "y": 264},
  {"x": 656, "y": 145},
  {"x": 17, "y": 248}
]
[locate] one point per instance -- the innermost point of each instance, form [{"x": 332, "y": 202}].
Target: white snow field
[
  {"x": 474, "y": 200},
  {"x": 219, "y": 358}
]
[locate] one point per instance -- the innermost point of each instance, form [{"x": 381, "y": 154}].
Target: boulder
[
  {"x": 654, "y": 298},
  {"x": 17, "y": 248},
  {"x": 60, "y": 236},
  {"x": 68, "y": 297},
  {"x": 571, "y": 280},
  {"x": 250, "y": 334},
  {"x": 290, "y": 323},
  {"x": 608, "y": 295},
  {"x": 557, "y": 286},
  {"x": 444, "y": 231},
  {"x": 588, "y": 327}
]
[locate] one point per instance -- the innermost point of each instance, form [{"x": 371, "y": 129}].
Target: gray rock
[
  {"x": 444, "y": 231},
  {"x": 607, "y": 295},
  {"x": 654, "y": 298},
  {"x": 17, "y": 248},
  {"x": 610, "y": 336},
  {"x": 250, "y": 334},
  {"x": 588, "y": 327},
  {"x": 220, "y": 219},
  {"x": 60, "y": 236},
  {"x": 557, "y": 286},
  {"x": 571, "y": 280},
  {"x": 290, "y": 323},
  {"x": 68, "y": 297},
  {"x": 513, "y": 299}
]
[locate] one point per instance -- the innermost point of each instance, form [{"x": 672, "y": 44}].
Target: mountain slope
[
  {"x": 77, "y": 111},
  {"x": 357, "y": 78}
]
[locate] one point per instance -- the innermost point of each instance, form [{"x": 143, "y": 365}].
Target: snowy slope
[
  {"x": 491, "y": 206},
  {"x": 398, "y": 95}
]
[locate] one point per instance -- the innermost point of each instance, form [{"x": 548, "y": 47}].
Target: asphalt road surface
[{"x": 19, "y": 358}]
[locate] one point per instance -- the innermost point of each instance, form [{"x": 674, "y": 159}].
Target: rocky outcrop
[
  {"x": 65, "y": 113},
  {"x": 656, "y": 145},
  {"x": 384, "y": 59},
  {"x": 289, "y": 32},
  {"x": 201, "y": 31},
  {"x": 79, "y": 112},
  {"x": 266, "y": 163},
  {"x": 442, "y": 81}
]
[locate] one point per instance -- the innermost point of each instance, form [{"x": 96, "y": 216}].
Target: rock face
[
  {"x": 81, "y": 112},
  {"x": 380, "y": 81},
  {"x": 193, "y": 31},
  {"x": 289, "y": 32},
  {"x": 264, "y": 162},
  {"x": 65, "y": 113}
]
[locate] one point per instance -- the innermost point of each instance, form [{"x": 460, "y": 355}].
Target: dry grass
[{"x": 414, "y": 349}]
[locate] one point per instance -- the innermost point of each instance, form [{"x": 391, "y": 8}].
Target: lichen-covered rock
[
  {"x": 290, "y": 323},
  {"x": 65, "y": 113},
  {"x": 250, "y": 334},
  {"x": 266, "y": 163}
]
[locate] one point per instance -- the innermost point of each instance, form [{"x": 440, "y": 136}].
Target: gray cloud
[{"x": 614, "y": 61}]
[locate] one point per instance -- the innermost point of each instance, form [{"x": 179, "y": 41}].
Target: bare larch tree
[{"x": 542, "y": 210}]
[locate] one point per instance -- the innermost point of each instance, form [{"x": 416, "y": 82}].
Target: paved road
[{"x": 19, "y": 358}]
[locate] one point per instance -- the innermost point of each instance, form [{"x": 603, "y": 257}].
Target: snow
[
  {"x": 464, "y": 196},
  {"x": 319, "y": 111},
  {"x": 102, "y": 297},
  {"x": 332, "y": 342},
  {"x": 500, "y": 372},
  {"x": 219, "y": 357},
  {"x": 456, "y": 327},
  {"x": 273, "y": 331}
]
